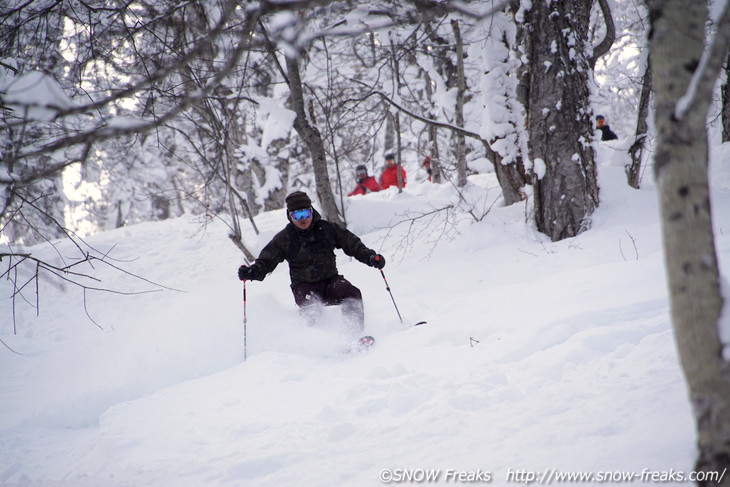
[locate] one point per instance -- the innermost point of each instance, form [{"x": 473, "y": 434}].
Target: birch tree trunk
[{"x": 677, "y": 44}]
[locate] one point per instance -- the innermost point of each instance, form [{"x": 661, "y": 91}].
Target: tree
[
  {"x": 725, "y": 94},
  {"x": 459, "y": 109},
  {"x": 636, "y": 151},
  {"x": 504, "y": 100},
  {"x": 685, "y": 72},
  {"x": 559, "y": 117}
]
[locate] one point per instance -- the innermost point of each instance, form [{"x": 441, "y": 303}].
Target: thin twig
[{"x": 8, "y": 347}]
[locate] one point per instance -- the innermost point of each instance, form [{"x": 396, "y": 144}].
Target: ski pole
[
  {"x": 391, "y": 295},
  {"x": 244, "y": 321}
]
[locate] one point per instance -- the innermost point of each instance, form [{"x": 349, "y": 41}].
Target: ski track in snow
[{"x": 536, "y": 355}]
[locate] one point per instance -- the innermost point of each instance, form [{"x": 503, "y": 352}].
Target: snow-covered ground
[{"x": 537, "y": 356}]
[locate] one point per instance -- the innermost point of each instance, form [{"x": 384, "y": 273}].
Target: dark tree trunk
[
  {"x": 433, "y": 141},
  {"x": 559, "y": 117},
  {"x": 636, "y": 151},
  {"x": 460, "y": 146},
  {"x": 605, "y": 45},
  {"x": 726, "y": 102},
  {"x": 399, "y": 147}
]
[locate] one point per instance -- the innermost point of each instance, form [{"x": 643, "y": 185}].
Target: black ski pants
[{"x": 330, "y": 292}]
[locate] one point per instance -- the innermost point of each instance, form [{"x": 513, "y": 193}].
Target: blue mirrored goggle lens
[{"x": 299, "y": 215}]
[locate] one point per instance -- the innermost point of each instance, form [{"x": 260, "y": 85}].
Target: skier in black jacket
[
  {"x": 606, "y": 132},
  {"x": 307, "y": 243}
]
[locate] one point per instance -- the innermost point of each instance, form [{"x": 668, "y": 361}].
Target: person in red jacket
[
  {"x": 365, "y": 184},
  {"x": 389, "y": 177}
]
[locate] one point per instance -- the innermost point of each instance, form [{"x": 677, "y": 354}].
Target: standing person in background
[
  {"x": 389, "y": 177},
  {"x": 365, "y": 184},
  {"x": 606, "y": 132}
]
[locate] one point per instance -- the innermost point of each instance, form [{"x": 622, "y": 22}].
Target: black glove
[
  {"x": 377, "y": 261},
  {"x": 245, "y": 273}
]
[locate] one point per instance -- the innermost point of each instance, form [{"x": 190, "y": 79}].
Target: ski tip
[
  {"x": 361, "y": 345},
  {"x": 421, "y": 323},
  {"x": 366, "y": 342}
]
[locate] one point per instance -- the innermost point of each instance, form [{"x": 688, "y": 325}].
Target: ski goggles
[{"x": 299, "y": 215}]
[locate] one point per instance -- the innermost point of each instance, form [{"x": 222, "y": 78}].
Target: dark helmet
[{"x": 361, "y": 171}]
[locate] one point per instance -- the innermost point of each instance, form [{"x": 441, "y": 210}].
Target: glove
[
  {"x": 377, "y": 261},
  {"x": 245, "y": 273}
]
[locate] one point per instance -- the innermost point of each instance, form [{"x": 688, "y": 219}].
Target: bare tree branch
[
  {"x": 385, "y": 97},
  {"x": 605, "y": 45}
]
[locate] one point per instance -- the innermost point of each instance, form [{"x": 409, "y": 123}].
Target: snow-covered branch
[{"x": 106, "y": 130}]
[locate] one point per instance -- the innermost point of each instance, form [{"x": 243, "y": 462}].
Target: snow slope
[{"x": 536, "y": 356}]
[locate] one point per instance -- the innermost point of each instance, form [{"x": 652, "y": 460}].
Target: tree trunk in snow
[
  {"x": 313, "y": 140},
  {"x": 389, "y": 143},
  {"x": 398, "y": 152},
  {"x": 433, "y": 141},
  {"x": 460, "y": 149},
  {"x": 559, "y": 117},
  {"x": 398, "y": 143},
  {"x": 726, "y": 102},
  {"x": 681, "y": 162},
  {"x": 278, "y": 158},
  {"x": 636, "y": 151}
]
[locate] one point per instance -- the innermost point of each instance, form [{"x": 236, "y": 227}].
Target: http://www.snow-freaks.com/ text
[{"x": 545, "y": 477}]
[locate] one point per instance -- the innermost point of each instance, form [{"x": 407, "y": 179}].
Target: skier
[
  {"x": 389, "y": 176},
  {"x": 606, "y": 132},
  {"x": 365, "y": 184},
  {"x": 307, "y": 243}
]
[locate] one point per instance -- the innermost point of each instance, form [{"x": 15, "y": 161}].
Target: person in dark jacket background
[
  {"x": 307, "y": 243},
  {"x": 606, "y": 132},
  {"x": 365, "y": 184}
]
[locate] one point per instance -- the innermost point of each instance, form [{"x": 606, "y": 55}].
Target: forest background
[{"x": 150, "y": 110}]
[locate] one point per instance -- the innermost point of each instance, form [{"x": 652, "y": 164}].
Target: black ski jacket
[
  {"x": 607, "y": 133},
  {"x": 310, "y": 253}
]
